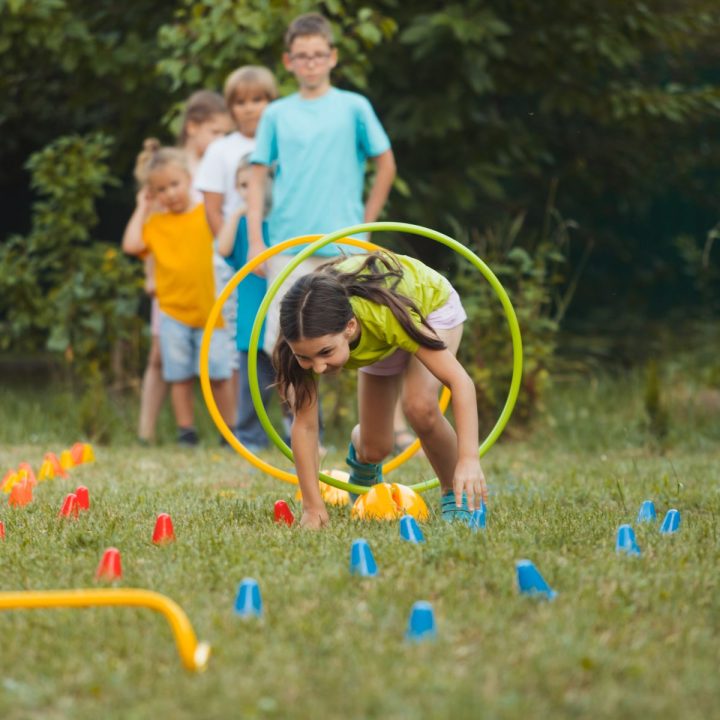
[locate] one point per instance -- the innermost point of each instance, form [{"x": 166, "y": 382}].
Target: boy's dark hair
[
  {"x": 308, "y": 24},
  {"x": 319, "y": 304},
  {"x": 200, "y": 107}
]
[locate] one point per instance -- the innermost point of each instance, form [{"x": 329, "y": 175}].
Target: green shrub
[{"x": 61, "y": 288}]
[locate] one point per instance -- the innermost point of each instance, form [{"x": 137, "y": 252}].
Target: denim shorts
[
  {"x": 450, "y": 315},
  {"x": 180, "y": 351}
]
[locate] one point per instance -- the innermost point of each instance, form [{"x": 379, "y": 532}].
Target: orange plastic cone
[
  {"x": 70, "y": 507},
  {"x": 11, "y": 478},
  {"x": 110, "y": 567},
  {"x": 21, "y": 494},
  {"x": 83, "y": 498},
  {"x": 164, "y": 532},
  {"x": 76, "y": 453},
  {"x": 57, "y": 468}
]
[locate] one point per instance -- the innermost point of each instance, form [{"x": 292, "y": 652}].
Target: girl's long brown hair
[{"x": 319, "y": 304}]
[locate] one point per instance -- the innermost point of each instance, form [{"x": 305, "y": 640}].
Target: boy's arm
[
  {"x": 213, "y": 202},
  {"x": 384, "y": 176},
  {"x": 255, "y": 204},
  {"x": 132, "y": 241},
  {"x": 226, "y": 236}
]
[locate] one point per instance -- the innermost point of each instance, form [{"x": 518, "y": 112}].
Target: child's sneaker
[
  {"x": 187, "y": 437},
  {"x": 366, "y": 474},
  {"x": 451, "y": 512}
]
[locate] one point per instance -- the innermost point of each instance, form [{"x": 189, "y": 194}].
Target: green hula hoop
[{"x": 386, "y": 227}]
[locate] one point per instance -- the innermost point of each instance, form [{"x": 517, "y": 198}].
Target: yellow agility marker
[
  {"x": 221, "y": 425},
  {"x": 194, "y": 655}
]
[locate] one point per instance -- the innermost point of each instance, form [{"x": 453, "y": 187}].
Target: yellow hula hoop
[{"x": 212, "y": 407}]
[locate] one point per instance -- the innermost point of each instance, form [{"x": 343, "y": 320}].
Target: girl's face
[
  {"x": 327, "y": 354},
  {"x": 170, "y": 186},
  {"x": 200, "y": 135},
  {"x": 246, "y": 109},
  {"x": 242, "y": 180}
]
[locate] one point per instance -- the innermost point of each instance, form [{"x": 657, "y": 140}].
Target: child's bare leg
[
  {"x": 181, "y": 394},
  {"x": 377, "y": 396},
  {"x": 222, "y": 391},
  {"x": 420, "y": 405},
  {"x": 153, "y": 393}
]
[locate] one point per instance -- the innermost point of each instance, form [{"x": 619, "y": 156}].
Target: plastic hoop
[
  {"x": 261, "y": 464},
  {"x": 212, "y": 407}
]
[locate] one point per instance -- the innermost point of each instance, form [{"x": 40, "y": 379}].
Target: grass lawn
[{"x": 625, "y": 637}]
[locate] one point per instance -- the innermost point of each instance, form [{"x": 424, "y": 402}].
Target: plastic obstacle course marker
[
  {"x": 626, "y": 542},
  {"x": 647, "y": 512},
  {"x": 343, "y": 237},
  {"x": 531, "y": 582},
  {"x": 110, "y": 567},
  {"x": 362, "y": 562},
  {"x": 283, "y": 513},
  {"x": 410, "y": 530},
  {"x": 478, "y": 519},
  {"x": 83, "y": 498},
  {"x": 421, "y": 623},
  {"x": 194, "y": 655},
  {"x": 671, "y": 522},
  {"x": 164, "y": 532},
  {"x": 248, "y": 602}
]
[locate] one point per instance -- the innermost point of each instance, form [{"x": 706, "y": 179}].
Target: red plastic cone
[
  {"x": 164, "y": 532},
  {"x": 2, "y": 530},
  {"x": 58, "y": 469},
  {"x": 283, "y": 513},
  {"x": 70, "y": 507},
  {"x": 110, "y": 567},
  {"x": 83, "y": 498}
]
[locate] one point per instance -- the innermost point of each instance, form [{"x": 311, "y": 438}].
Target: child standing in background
[
  {"x": 233, "y": 246},
  {"x": 248, "y": 90},
  {"x": 320, "y": 138},
  {"x": 181, "y": 243},
  {"x": 205, "y": 118}
]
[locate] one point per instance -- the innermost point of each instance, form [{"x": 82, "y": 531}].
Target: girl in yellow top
[
  {"x": 400, "y": 323},
  {"x": 180, "y": 241}
]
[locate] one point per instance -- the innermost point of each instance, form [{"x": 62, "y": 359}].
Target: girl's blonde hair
[
  {"x": 200, "y": 107},
  {"x": 154, "y": 156},
  {"x": 244, "y": 166},
  {"x": 248, "y": 78}
]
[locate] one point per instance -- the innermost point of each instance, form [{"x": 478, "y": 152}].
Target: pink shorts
[{"x": 450, "y": 315}]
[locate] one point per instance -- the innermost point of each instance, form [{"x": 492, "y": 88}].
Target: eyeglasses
[{"x": 303, "y": 59}]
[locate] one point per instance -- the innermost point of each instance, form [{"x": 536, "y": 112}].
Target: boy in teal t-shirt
[{"x": 318, "y": 140}]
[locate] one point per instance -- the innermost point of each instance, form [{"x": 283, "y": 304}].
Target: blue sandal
[
  {"x": 451, "y": 512},
  {"x": 361, "y": 473}
]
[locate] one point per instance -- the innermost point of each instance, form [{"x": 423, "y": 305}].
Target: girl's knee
[
  {"x": 422, "y": 413},
  {"x": 375, "y": 451}
]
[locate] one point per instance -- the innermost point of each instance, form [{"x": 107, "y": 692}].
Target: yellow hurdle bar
[{"x": 194, "y": 655}]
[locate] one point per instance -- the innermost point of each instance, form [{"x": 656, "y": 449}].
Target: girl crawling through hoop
[{"x": 400, "y": 323}]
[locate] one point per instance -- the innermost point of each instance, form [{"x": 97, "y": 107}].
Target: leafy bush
[
  {"x": 60, "y": 287},
  {"x": 532, "y": 269}
]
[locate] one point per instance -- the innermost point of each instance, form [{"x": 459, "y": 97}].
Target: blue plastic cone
[
  {"x": 248, "y": 602},
  {"x": 362, "y": 561},
  {"x": 421, "y": 625},
  {"x": 478, "y": 519},
  {"x": 531, "y": 582},
  {"x": 410, "y": 530},
  {"x": 647, "y": 512},
  {"x": 626, "y": 542},
  {"x": 671, "y": 522}
]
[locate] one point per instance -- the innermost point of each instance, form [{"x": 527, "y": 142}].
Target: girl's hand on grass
[
  {"x": 314, "y": 519},
  {"x": 469, "y": 477}
]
